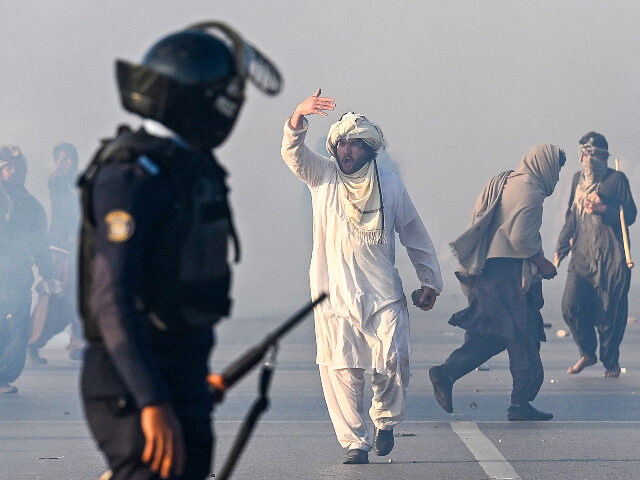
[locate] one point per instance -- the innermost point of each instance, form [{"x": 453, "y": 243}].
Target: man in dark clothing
[
  {"x": 154, "y": 276},
  {"x": 501, "y": 268},
  {"x": 598, "y": 278},
  {"x": 23, "y": 243},
  {"x": 53, "y": 313}
]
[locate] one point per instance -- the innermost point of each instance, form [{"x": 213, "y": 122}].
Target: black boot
[
  {"x": 442, "y": 387},
  {"x": 356, "y": 456},
  {"x": 526, "y": 412},
  {"x": 382, "y": 442}
]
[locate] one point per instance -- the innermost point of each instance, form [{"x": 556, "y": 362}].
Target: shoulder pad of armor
[{"x": 131, "y": 146}]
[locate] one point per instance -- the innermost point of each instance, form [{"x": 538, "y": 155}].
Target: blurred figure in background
[
  {"x": 598, "y": 278},
  {"x": 23, "y": 244},
  {"x": 53, "y": 313}
]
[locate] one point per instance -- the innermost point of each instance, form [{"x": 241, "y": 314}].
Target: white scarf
[
  {"x": 361, "y": 200},
  {"x": 359, "y": 192}
]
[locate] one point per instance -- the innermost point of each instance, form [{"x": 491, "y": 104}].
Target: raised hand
[{"x": 315, "y": 104}]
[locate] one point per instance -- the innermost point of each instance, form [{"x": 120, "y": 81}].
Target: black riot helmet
[{"x": 193, "y": 81}]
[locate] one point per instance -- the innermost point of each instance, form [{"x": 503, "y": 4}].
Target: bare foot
[
  {"x": 612, "y": 372},
  {"x": 582, "y": 364}
]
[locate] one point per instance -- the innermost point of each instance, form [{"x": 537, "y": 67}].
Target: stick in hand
[{"x": 625, "y": 233}]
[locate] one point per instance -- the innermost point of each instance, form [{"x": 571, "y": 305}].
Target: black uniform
[
  {"x": 23, "y": 243},
  {"x": 154, "y": 279},
  {"x": 598, "y": 277}
]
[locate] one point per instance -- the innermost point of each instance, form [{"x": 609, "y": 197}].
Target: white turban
[{"x": 353, "y": 125}]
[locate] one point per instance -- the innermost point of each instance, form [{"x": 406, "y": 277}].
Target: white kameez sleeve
[
  {"x": 415, "y": 238},
  {"x": 307, "y": 165}
]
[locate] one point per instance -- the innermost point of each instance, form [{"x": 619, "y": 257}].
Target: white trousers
[{"x": 344, "y": 391}]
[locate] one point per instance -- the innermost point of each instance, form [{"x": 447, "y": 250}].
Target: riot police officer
[{"x": 154, "y": 276}]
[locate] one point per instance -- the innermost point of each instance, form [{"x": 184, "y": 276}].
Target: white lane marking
[{"x": 487, "y": 455}]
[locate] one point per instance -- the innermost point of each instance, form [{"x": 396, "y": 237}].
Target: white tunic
[{"x": 359, "y": 279}]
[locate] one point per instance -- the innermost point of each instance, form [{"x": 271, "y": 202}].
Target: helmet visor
[{"x": 251, "y": 64}]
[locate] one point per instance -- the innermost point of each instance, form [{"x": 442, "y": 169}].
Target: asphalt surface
[{"x": 595, "y": 433}]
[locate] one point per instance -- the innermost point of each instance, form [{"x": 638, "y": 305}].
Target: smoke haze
[{"x": 461, "y": 90}]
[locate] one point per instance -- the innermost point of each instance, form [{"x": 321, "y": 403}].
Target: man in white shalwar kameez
[{"x": 364, "y": 324}]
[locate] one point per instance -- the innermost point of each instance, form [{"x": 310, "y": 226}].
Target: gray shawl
[{"x": 506, "y": 219}]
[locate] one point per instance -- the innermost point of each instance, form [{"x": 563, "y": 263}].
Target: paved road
[{"x": 595, "y": 433}]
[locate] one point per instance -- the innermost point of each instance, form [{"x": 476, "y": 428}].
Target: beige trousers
[{"x": 344, "y": 387}]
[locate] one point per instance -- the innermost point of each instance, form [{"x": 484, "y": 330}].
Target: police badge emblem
[{"x": 120, "y": 226}]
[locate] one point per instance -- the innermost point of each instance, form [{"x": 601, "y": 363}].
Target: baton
[
  {"x": 218, "y": 383},
  {"x": 625, "y": 233}
]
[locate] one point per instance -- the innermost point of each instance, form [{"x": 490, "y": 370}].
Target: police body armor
[{"x": 186, "y": 277}]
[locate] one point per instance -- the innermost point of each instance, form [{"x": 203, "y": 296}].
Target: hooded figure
[
  {"x": 501, "y": 268},
  {"x": 23, "y": 236},
  {"x": 598, "y": 278},
  {"x": 363, "y": 326}
]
